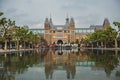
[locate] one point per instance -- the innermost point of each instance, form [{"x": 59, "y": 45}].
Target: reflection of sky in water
[
  {"x": 117, "y": 69},
  {"x": 34, "y": 73},
  {"x": 84, "y": 73}
]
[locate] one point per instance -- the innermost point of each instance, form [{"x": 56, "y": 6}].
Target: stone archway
[{"x": 59, "y": 42}]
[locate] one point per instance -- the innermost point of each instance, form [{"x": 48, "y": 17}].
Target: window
[
  {"x": 59, "y": 28},
  {"x": 52, "y": 31},
  {"x": 76, "y": 31},
  {"x": 84, "y": 31},
  {"x": 92, "y": 30},
  {"x": 65, "y": 31},
  {"x": 80, "y": 31},
  {"x": 59, "y": 34}
]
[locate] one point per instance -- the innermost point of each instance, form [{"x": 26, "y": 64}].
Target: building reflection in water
[{"x": 62, "y": 60}]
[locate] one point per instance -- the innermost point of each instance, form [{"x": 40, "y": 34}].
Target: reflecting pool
[{"x": 75, "y": 64}]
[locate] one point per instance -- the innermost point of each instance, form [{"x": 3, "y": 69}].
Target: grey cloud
[
  {"x": 87, "y": 20},
  {"x": 34, "y": 21},
  {"x": 85, "y": 12},
  {"x": 74, "y": 7},
  {"x": 11, "y": 10}
]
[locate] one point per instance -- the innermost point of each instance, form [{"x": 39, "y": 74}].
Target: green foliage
[
  {"x": 16, "y": 34},
  {"x": 117, "y": 73},
  {"x": 72, "y": 42},
  {"x": 23, "y": 35},
  {"x": 85, "y": 40},
  {"x": 76, "y": 41},
  {"x": 6, "y": 24},
  {"x": 34, "y": 38},
  {"x": 1, "y": 13},
  {"x": 104, "y": 35},
  {"x": 117, "y": 24},
  {"x": 107, "y": 35}
]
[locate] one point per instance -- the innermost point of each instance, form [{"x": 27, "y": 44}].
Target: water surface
[{"x": 60, "y": 65}]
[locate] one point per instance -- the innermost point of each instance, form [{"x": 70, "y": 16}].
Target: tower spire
[
  {"x": 72, "y": 21},
  {"x": 106, "y": 23},
  {"x": 50, "y": 20},
  {"x": 46, "y": 21},
  {"x": 67, "y": 15},
  {"x": 67, "y": 19},
  {"x": 50, "y": 15}
]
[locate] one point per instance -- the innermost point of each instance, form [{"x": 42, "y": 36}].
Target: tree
[
  {"x": 107, "y": 35},
  {"x": 35, "y": 39},
  {"x": 117, "y": 24},
  {"x": 16, "y": 36},
  {"x": 20, "y": 35},
  {"x": 1, "y": 13},
  {"x": 102, "y": 37},
  {"x": 77, "y": 41},
  {"x": 5, "y": 25},
  {"x": 117, "y": 36},
  {"x": 111, "y": 35},
  {"x": 94, "y": 37},
  {"x": 24, "y": 37}
]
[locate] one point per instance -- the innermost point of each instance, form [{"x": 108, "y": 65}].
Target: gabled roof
[{"x": 106, "y": 21}]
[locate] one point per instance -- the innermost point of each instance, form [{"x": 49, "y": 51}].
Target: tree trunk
[
  {"x": 24, "y": 45},
  {"x": 116, "y": 52},
  {"x": 17, "y": 46},
  {"x": 116, "y": 45},
  {"x": 102, "y": 44},
  {"x": 5, "y": 45},
  {"x": 97, "y": 44},
  {"x": 105, "y": 44},
  {"x": 92, "y": 45}
]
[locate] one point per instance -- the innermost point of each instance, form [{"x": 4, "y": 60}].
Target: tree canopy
[{"x": 16, "y": 34}]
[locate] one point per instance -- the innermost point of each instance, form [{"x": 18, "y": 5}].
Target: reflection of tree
[
  {"x": 27, "y": 60},
  {"x": 6, "y": 74},
  {"x": 18, "y": 63},
  {"x": 108, "y": 60},
  {"x": 117, "y": 73}
]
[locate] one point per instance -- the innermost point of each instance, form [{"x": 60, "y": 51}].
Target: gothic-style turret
[
  {"x": 106, "y": 23},
  {"x": 47, "y": 24},
  {"x": 67, "y": 21},
  {"x": 46, "y": 21},
  {"x": 51, "y": 23},
  {"x": 72, "y": 24},
  {"x": 72, "y": 21}
]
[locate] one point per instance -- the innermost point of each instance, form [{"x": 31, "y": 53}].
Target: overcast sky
[{"x": 84, "y": 12}]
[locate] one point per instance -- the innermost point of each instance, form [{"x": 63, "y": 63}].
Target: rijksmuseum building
[{"x": 66, "y": 33}]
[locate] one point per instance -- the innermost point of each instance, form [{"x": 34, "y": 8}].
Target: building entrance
[{"x": 59, "y": 42}]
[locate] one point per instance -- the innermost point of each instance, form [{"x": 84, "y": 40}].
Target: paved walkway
[
  {"x": 104, "y": 48},
  {"x": 14, "y": 50}
]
